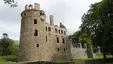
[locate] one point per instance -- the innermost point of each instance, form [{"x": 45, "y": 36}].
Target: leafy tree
[
  {"x": 12, "y": 3},
  {"x": 98, "y": 22},
  {"x": 7, "y": 46},
  {"x": 75, "y": 37}
]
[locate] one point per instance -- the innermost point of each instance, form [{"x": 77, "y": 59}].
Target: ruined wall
[{"x": 78, "y": 52}]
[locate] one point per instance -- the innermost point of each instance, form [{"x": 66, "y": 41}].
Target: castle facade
[{"x": 41, "y": 41}]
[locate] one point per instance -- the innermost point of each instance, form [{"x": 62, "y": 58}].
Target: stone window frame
[
  {"x": 35, "y": 21},
  {"x": 61, "y": 31},
  {"x": 49, "y": 28},
  {"x": 63, "y": 40},
  {"x": 46, "y": 38},
  {"x": 57, "y": 39},
  {"x": 58, "y": 49},
  {"x": 35, "y": 32},
  {"x": 37, "y": 45},
  {"x": 46, "y": 28},
  {"x": 55, "y": 30}
]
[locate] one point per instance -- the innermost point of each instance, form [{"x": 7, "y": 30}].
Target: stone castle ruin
[{"x": 40, "y": 41}]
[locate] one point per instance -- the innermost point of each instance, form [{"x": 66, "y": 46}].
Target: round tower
[{"x": 31, "y": 46}]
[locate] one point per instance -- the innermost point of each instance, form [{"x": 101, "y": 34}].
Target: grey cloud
[{"x": 67, "y": 11}]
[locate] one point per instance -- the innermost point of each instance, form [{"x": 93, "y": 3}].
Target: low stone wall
[{"x": 78, "y": 53}]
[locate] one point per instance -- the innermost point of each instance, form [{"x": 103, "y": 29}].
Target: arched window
[{"x": 36, "y": 33}]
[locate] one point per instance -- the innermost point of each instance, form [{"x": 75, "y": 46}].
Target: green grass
[
  {"x": 4, "y": 59},
  {"x": 101, "y": 56}
]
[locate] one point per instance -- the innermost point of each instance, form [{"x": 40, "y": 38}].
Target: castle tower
[
  {"x": 40, "y": 41},
  {"x": 31, "y": 46}
]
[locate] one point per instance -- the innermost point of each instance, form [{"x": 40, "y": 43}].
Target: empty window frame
[
  {"x": 46, "y": 38},
  {"x": 61, "y": 31},
  {"x": 64, "y": 49},
  {"x": 36, "y": 33},
  {"x": 57, "y": 40},
  {"x": 35, "y": 21},
  {"x": 63, "y": 41},
  {"x": 46, "y": 28},
  {"x": 55, "y": 30},
  {"x": 49, "y": 28},
  {"x": 58, "y": 49},
  {"x": 37, "y": 45}
]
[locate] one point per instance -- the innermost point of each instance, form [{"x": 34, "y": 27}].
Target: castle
[{"x": 40, "y": 41}]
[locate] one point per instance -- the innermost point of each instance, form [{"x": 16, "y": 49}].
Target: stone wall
[{"x": 78, "y": 52}]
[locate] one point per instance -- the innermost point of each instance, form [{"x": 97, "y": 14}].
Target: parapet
[{"x": 30, "y": 6}]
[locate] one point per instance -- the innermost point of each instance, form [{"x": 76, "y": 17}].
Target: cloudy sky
[{"x": 68, "y": 12}]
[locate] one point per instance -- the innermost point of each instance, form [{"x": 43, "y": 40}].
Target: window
[
  {"x": 56, "y": 30},
  {"x": 57, "y": 40},
  {"x": 64, "y": 33},
  {"x": 37, "y": 45},
  {"x": 46, "y": 28},
  {"x": 49, "y": 28},
  {"x": 59, "y": 31},
  {"x": 46, "y": 38},
  {"x": 58, "y": 49},
  {"x": 24, "y": 14},
  {"x": 36, "y": 33},
  {"x": 35, "y": 21},
  {"x": 64, "y": 49},
  {"x": 63, "y": 41}
]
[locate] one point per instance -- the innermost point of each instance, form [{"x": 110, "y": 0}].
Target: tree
[
  {"x": 7, "y": 46},
  {"x": 98, "y": 22},
  {"x": 12, "y": 3}
]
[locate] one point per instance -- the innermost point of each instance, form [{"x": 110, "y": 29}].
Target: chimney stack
[{"x": 51, "y": 20}]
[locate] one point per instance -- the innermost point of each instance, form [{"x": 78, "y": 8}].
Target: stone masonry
[{"x": 40, "y": 41}]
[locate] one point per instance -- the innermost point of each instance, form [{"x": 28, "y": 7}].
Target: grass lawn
[{"x": 4, "y": 59}]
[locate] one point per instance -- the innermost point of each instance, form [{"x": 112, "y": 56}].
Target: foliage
[
  {"x": 98, "y": 23},
  {"x": 75, "y": 37},
  {"x": 8, "y": 46},
  {"x": 4, "y": 59},
  {"x": 12, "y": 3}
]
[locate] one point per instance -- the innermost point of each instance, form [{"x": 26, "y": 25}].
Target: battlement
[{"x": 30, "y": 6}]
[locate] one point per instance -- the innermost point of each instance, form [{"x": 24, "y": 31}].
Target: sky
[{"x": 69, "y": 12}]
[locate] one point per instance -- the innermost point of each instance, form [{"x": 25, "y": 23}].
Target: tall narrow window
[
  {"x": 64, "y": 49},
  {"x": 63, "y": 41},
  {"x": 58, "y": 49},
  {"x": 46, "y": 28},
  {"x": 35, "y": 21},
  {"x": 36, "y": 33},
  {"x": 59, "y": 31},
  {"x": 57, "y": 40},
  {"x": 55, "y": 30},
  {"x": 37, "y": 45},
  {"x": 46, "y": 38},
  {"x": 49, "y": 28},
  {"x": 64, "y": 33}
]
